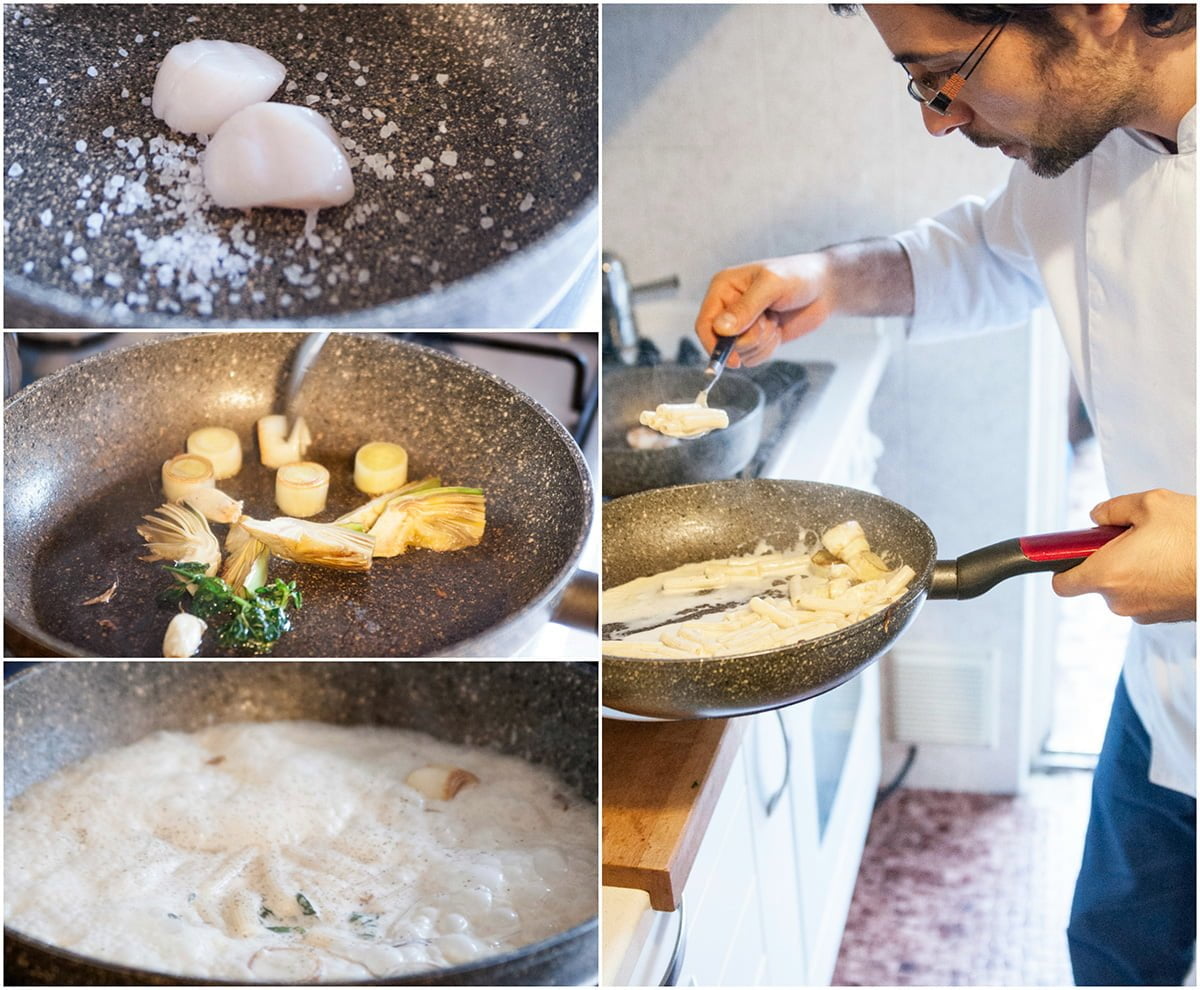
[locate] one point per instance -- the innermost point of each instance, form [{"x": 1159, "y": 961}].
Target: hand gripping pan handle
[{"x": 980, "y": 570}]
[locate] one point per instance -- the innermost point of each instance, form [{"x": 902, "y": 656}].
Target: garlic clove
[
  {"x": 440, "y": 782},
  {"x": 277, "y": 154},
  {"x": 202, "y": 83},
  {"x": 184, "y": 635}
]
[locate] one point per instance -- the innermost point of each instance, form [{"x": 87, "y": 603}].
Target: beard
[
  {"x": 1050, "y": 158},
  {"x": 1084, "y": 105}
]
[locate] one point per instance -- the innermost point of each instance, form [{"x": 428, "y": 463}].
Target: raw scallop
[
  {"x": 277, "y": 154},
  {"x": 201, "y": 84}
]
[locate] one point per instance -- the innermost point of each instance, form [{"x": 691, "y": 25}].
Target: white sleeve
[{"x": 972, "y": 268}]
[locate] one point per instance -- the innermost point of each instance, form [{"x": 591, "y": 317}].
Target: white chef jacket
[{"x": 1111, "y": 246}]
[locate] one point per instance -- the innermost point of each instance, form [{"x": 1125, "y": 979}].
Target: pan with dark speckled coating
[
  {"x": 657, "y": 530},
  {"x": 506, "y": 92},
  {"x": 83, "y": 451},
  {"x": 545, "y": 712},
  {"x": 717, "y": 455}
]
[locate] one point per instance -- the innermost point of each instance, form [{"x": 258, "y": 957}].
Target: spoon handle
[
  {"x": 302, "y": 360},
  {"x": 716, "y": 363}
]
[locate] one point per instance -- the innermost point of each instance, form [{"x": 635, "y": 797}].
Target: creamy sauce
[
  {"x": 737, "y": 605},
  {"x": 296, "y": 852}
]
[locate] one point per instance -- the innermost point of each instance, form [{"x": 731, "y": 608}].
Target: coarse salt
[
  {"x": 46, "y": 217},
  {"x": 449, "y": 157},
  {"x": 15, "y": 170},
  {"x": 91, "y": 71},
  {"x": 360, "y": 81},
  {"x": 81, "y": 146},
  {"x": 442, "y": 78}
]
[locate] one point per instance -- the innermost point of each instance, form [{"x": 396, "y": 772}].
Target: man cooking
[{"x": 1096, "y": 103}]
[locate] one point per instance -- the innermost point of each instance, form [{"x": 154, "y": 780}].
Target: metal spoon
[
  {"x": 303, "y": 359},
  {"x": 716, "y": 364}
]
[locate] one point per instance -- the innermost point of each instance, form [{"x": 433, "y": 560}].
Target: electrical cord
[{"x": 890, "y": 789}]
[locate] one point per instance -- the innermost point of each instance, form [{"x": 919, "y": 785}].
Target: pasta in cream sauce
[{"x": 298, "y": 852}]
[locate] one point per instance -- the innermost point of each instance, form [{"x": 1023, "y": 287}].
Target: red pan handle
[{"x": 980, "y": 570}]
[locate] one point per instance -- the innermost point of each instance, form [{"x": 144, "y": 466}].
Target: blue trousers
[{"x": 1133, "y": 920}]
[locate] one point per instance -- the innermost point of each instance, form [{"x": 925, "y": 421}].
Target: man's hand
[
  {"x": 765, "y": 303},
  {"x": 1149, "y": 571},
  {"x": 768, "y": 302}
]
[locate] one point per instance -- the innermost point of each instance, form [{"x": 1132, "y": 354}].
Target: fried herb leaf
[{"x": 252, "y": 621}]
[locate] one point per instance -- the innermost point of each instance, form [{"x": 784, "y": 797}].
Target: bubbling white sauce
[{"x": 296, "y": 852}]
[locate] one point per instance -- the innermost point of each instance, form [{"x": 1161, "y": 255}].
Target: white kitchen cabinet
[
  {"x": 767, "y": 897},
  {"x": 741, "y": 904}
]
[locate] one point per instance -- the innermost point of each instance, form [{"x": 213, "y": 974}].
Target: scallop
[
  {"x": 201, "y": 83},
  {"x": 277, "y": 154}
]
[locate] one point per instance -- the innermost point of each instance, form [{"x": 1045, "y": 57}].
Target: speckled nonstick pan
[
  {"x": 545, "y": 712},
  {"x": 499, "y": 99},
  {"x": 717, "y": 455},
  {"x": 654, "y": 531},
  {"x": 83, "y": 451}
]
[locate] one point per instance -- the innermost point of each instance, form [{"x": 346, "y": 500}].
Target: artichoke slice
[
  {"x": 246, "y": 568},
  {"x": 365, "y": 515},
  {"x": 441, "y": 519},
  {"x": 306, "y": 542},
  {"x": 181, "y": 536}
]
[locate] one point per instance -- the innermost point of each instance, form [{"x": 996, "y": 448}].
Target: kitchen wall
[{"x": 734, "y": 132}]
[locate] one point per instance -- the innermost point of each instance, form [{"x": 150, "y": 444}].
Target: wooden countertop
[{"x": 661, "y": 783}]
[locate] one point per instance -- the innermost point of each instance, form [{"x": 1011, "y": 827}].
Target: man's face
[{"x": 1047, "y": 105}]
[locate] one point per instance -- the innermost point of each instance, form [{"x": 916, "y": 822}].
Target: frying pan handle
[
  {"x": 579, "y": 606},
  {"x": 980, "y": 570}
]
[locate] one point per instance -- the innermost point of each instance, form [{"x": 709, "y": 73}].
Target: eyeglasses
[{"x": 938, "y": 99}]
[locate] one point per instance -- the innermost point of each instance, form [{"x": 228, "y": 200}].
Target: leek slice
[
  {"x": 301, "y": 488},
  {"x": 441, "y": 519},
  {"x": 276, "y": 446},
  {"x": 186, "y": 473},
  {"x": 380, "y": 467},
  {"x": 221, "y": 446},
  {"x": 305, "y": 542},
  {"x": 181, "y": 536},
  {"x": 365, "y": 515}
]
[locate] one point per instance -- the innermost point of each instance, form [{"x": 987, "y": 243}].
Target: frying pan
[
  {"x": 718, "y": 454},
  {"x": 506, "y": 92},
  {"x": 83, "y": 450},
  {"x": 654, "y": 531},
  {"x": 545, "y": 712}
]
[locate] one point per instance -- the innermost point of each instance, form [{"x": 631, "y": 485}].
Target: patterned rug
[{"x": 968, "y": 889}]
